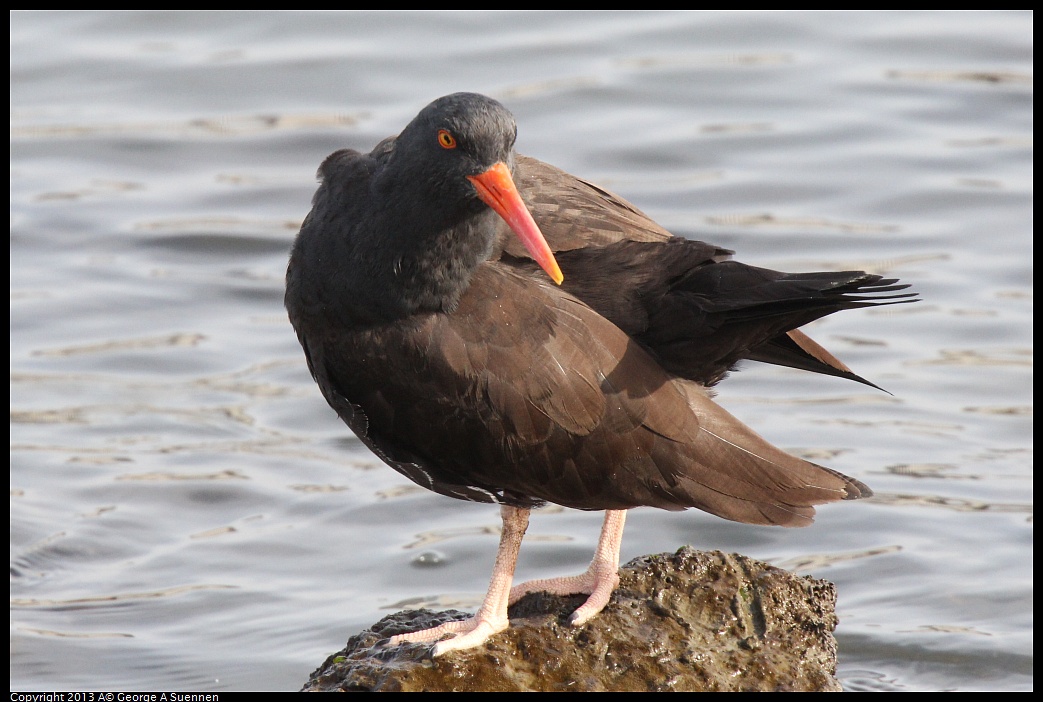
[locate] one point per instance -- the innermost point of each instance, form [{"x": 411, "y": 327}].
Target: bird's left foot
[
  {"x": 491, "y": 617},
  {"x": 467, "y": 633},
  {"x": 599, "y": 582}
]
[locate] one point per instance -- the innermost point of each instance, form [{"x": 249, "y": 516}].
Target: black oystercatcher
[{"x": 436, "y": 337}]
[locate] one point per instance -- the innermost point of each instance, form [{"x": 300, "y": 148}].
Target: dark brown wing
[
  {"x": 694, "y": 310},
  {"x": 525, "y": 394},
  {"x": 575, "y": 214}
]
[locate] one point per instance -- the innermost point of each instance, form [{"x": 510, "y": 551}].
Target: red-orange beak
[{"x": 496, "y": 189}]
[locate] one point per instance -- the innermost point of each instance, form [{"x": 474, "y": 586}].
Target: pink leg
[
  {"x": 601, "y": 578},
  {"x": 491, "y": 617}
]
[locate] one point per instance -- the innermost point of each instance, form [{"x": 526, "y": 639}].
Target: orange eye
[{"x": 446, "y": 140}]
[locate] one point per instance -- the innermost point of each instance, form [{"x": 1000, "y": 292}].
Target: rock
[{"x": 688, "y": 621}]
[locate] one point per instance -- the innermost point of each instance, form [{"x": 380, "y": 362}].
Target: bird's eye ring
[{"x": 446, "y": 140}]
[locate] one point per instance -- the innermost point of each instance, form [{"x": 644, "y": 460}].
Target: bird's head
[{"x": 460, "y": 150}]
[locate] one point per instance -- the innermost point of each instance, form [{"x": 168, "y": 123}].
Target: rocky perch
[{"x": 688, "y": 621}]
